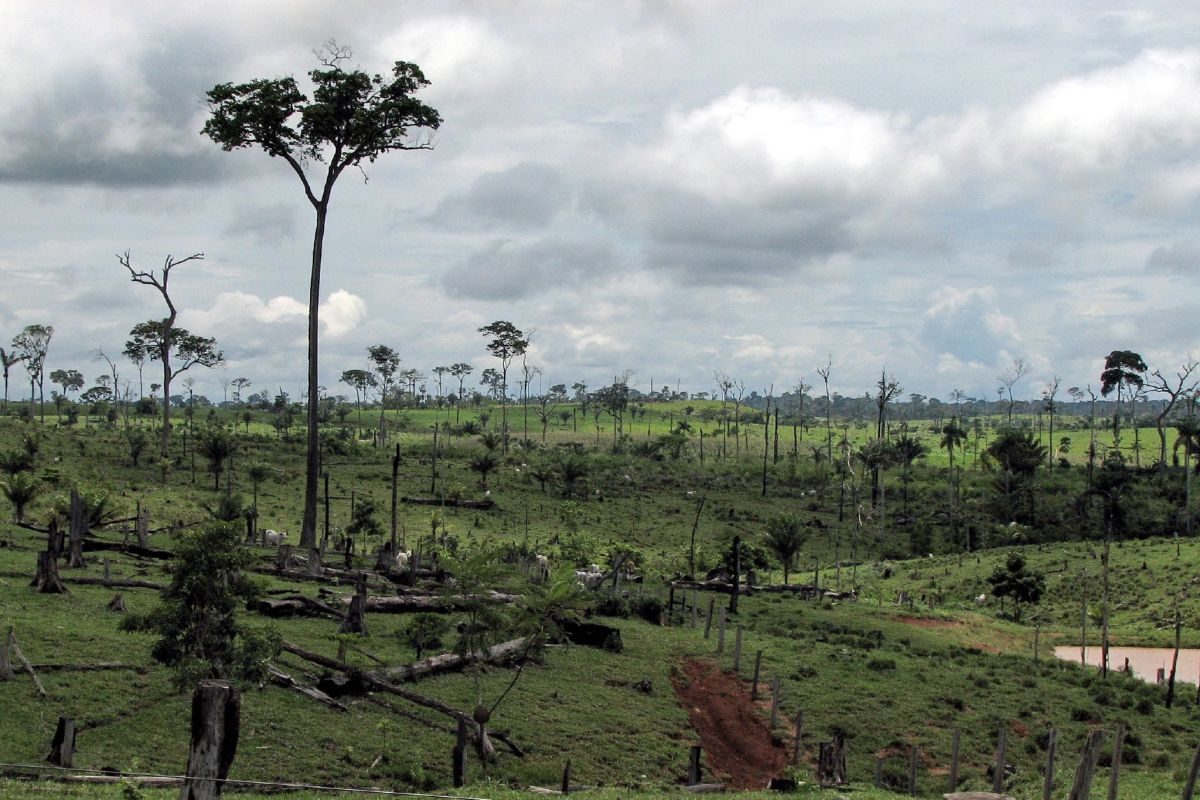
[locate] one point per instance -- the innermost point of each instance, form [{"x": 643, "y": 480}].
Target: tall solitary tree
[
  {"x": 387, "y": 363},
  {"x": 351, "y": 118},
  {"x": 31, "y": 346},
  {"x": 161, "y": 341},
  {"x": 460, "y": 370},
  {"x": 1123, "y": 370},
  {"x": 505, "y": 342},
  {"x": 7, "y": 360}
]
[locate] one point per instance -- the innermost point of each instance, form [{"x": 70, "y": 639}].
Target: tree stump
[
  {"x": 143, "y": 527},
  {"x": 314, "y": 562},
  {"x": 831, "y": 761},
  {"x": 216, "y": 715},
  {"x": 355, "y": 621},
  {"x": 6, "y": 671},
  {"x": 46, "y": 580},
  {"x": 117, "y": 603},
  {"x": 62, "y": 747},
  {"x": 78, "y": 527}
]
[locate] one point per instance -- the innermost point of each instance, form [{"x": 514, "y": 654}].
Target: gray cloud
[
  {"x": 1181, "y": 257},
  {"x": 266, "y": 224},
  {"x": 507, "y": 271},
  {"x": 527, "y": 195}
]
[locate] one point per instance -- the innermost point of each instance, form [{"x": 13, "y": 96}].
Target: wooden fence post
[
  {"x": 694, "y": 765},
  {"x": 62, "y": 747},
  {"x": 1189, "y": 788},
  {"x": 721, "y": 631},
  {"x": 955, "y": 753},
  {"x": 914, "y": 753},
  {"x": 695, "y": 602},
  {"x": 78, "y": 527},
  {"x": 142, "y": 526},
  {"x": 799, "y": 737},
  {"x": 460, "y": 755},
  {"x": 774, "y": 701},
  {"x": 737, "y": 649},
  {"x": 1114, "y": 775},
  {"x": 566, "y": 778},
  {"x": 754, "y": 683},
  {"x": 1051, "y": 748},
  {"x": 216, "y": 712},
  {"x": 1081, "y": 789},
  {"x": 712, "y": 601},
  {"x": 1001, "y": 760}
]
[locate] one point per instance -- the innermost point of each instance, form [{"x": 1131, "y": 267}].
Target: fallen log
[
  {"x": 119, "y": 583},
  {"x": 131, "y": 549},
  {"x": 103, "y": 665},
  {"x": 297, "y": 605},
  {"x": 408, "y": 604},
  {"x": 281, "y": 678},
  {"x": 503, "y": 653},
  {"x": 481, "y": 505}
]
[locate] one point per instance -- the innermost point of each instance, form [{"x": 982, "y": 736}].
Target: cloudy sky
[{"x": 670, "y": 187}]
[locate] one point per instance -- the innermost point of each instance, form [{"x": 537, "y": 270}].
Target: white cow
[
  {"x": 274, "y": 538},
  {"x": 981, "y": 600},
  {"x": 540, "y": 571},
  {"x": 589, "y": 579},
  {"x": 402, "y": 559}
]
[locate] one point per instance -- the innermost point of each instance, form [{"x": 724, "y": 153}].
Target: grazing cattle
[
  {"x": 274, "y": 538},
  {"x": 540, "y": 571},
  {"x": 402, "y": 559},
  {"x": 981, "y": 600},
  {"x": 593, "y": 568},
  {"x": 589, "y": 579}
]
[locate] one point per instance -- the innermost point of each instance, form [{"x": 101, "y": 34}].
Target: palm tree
[
  {"x": 216, "y": 445},
  {"x": 484, "y": 463},
  {"x": 20, "y": 488},
  {"x": 572, "y": 467},
  {"x": 953, "y": 435},
  {"x": 257, "y": 473},
  {"x": 784, "y": 538}
]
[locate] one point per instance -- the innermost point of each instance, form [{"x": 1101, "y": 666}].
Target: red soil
[{"x": 735, "y": 736}]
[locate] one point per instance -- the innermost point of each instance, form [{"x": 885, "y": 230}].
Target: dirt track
[{"x": 733, "y": 732}]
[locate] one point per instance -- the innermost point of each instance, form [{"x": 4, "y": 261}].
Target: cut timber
[
  {"x": 46, "y": 579},
  {"x": 13, "y": 650},
  {"x": 76, "y": 532},
  {"x": 976, "y": 796},
  {"x": 481, "y": 505},
  {"x": 216, "y": 716},
  {"x": 283, "y": 679},
  {"x": 503, "y": 653},
  {"x": 130, "y": 549}
]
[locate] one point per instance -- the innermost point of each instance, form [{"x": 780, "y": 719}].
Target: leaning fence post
[
  {"x": 1114, "y": 776},
  {"x": 566, "y": 778},
  {"x": 955, "y": 747},
  {"x": 1051, "y": 748},
  {"x": 1081, "y": 789},
  {"x": 799, "y": 736},
  {"x": 1190, "y": 788},
  {"x": 913, "y": 755},
  {"x": 1001, "y": 761}
]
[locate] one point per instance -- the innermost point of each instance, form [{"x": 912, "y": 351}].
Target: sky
[{"x": 934, "y": 189}]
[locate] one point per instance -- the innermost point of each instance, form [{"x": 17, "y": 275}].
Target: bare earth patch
[{"x": 736, "y": 739}]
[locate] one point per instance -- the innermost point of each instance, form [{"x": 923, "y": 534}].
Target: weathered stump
[
  {"x": 1081, "y": 789},
  {"x": 355, "y": 621},
  {"x": 831, "y": 761},
  {"x": 460, "y": 756},
  {"x": 62, "y": 746},
  {"x": 46, "y": 580},
  {"x": 216, "y": 715},
  {"x": 78, "y": 522},
  {"x": 117, "y": 603},
  {"x": 143, "y": 527}
]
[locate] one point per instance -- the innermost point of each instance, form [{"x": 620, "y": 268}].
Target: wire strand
[{"x": 241, "y": 782}]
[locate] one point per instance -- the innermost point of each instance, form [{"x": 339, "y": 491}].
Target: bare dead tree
[{"x": 1181, "y": 385}]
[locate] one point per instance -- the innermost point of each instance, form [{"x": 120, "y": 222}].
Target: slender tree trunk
[{"x": 308, "y": 527}]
